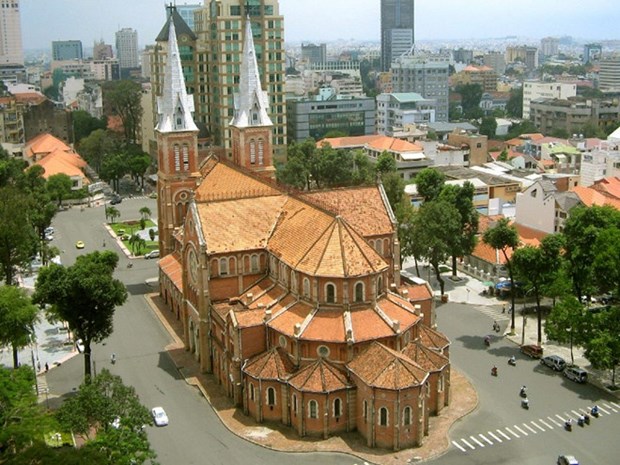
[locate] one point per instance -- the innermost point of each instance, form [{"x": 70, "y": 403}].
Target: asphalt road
[{"x": 195, "y": 434}]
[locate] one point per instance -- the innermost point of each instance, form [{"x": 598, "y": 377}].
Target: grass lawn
[
  {"x": 125, "y": 229},
  {"x": 58, "y": 439}
]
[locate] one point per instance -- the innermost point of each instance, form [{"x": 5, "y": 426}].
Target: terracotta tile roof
[
  {"x": 377, "y": 142},
  {"x": 268, "y": 298},
  {"x": 34, "y": 98},
  {"x": 609, "y": 186},
  {"x": 381, "y": 367},
  {"x": 397, "y": 308},
  {"x": 285, "y": 322},
  {"x": 527, "y": 236},
  {"x": 223, "y": 182},
  {"x": 417, "y": 291},
  {"x": 321, "y": 377},
  {"x": 428, "y": 359},
  {"x": 523, "y": 138},
  {"x": 368, "y": 325},
  {"x": 361, "y": 207},
  {"x": 60, "y": 162},
  {"x": 252, "y": 317},
  {"x": 171, "y": 267},
  {"x": 44, "y": 144},
  {"x": 348, "y": 142},
  {"x": 273, "y": 364},
  {"x": 326, "y": 325},
  {"x": 432, "y": 339},
  {"x": 591, "y": 197}
]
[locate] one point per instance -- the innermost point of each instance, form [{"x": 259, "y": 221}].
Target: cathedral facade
[{"x": 292, "y": 300}]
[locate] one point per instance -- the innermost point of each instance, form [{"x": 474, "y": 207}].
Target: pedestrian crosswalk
[
  {"x": 529, "y": 428},
  {"x": 494, "y": 312}
]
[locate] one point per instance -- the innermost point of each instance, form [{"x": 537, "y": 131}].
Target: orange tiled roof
[
  {"x": 427, "y": 358},
  {"x": 285, "y": 321},
  {"x": 591, "y": 197},
  {"x": 609, "y": 186},
  {"x": 523, "y": 138},
  {"x": 362, "y": 207},
  {"x": 381, "y": 367},
  {"x": 432, "y": 338},
  {"x": 171, "y": 267},
  {"x": 348, "y": 142},
  {"x": 34, "y": 98},
  {"x": 320, "y": 376},
  {"x": 376, "y": 142},
  {"x": 60, "y": 162},
  {"x": 44, "y": 144},
  {"x": 418, "y": 292},
  {"x": 273, "y": 364}
]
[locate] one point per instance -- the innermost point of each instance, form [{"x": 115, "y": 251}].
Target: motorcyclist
[
  {"x": 512, "y": 360},
  {"x": 594, "y": 410},
  {"x": 523, "y": 391},
  {"x": 525, "y": 403},
  {"x": 581, "y": 420},
  {"x": 113, "y": 358},
  {"x": 494, "y": 371},
  {"x": 487, "y": 340},
  {"x": 568, "y": 424}
]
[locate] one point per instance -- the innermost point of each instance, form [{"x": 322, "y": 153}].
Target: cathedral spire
[
  {"x": 175, "y": 106},
  {"x": 251, "y": 102}
]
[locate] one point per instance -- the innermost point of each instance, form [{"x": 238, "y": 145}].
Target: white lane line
[
  {"x": 554, "y": 421},
  {"x": 476, "y": 441},
  {"x": 536, "y": 425},
  {"x": 520, "y": 430},
  {"x": 456, "y": 444},
  {"x": 576, "y": 413},
  {"x": 545, "y": 423},
  {"x": 561, "y": 419},
  {"x": 485, "y": 438},
  {"x": 508, "y": 438},
  {"x": 610, "y": 408},
  {"x": 530, "y": 428},
  {"x": 467, "y": 444},
  {"x": 512, "y": 432},
  {"x": 495, "y": 437},
  {"x": 603, "y": 410},
  {"x": 613, "y": 403}
]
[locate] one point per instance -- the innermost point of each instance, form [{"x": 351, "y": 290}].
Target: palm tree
[
  {"x": 145, "y": 212},
  {"x": 112, "y": 213}
]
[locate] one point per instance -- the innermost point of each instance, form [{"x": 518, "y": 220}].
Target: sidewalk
[{"x": 276, "y": 436}]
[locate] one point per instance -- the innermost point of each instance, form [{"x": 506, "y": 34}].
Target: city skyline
[{"x": 82, "y": 20}]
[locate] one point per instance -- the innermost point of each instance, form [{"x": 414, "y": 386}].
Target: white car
[
  {"x": 159, "y": 416},
  {"x": 79, "y": 345},
  {"x": 152, "y": 254}
]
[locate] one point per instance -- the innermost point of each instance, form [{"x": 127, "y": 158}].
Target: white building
[
  {"x": 11, "y": 50},
  {"x": 533, "y": 90},
  {"x": 394, "y": 111},
  {"x": 127, "y": 48},
  {"x": 599, "y": 164}
]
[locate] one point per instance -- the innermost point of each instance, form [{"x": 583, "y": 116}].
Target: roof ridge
[
  {"x": 329, "y": 230},
  {"x": 308, "y": 319},
  {"x": 354, "y": 235}
]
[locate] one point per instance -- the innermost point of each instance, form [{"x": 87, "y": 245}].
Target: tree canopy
[
  {"x": 17, "y": 319},
  {"x": 125, "y": 100}
]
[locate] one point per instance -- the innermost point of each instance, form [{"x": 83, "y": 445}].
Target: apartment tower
[
  {"x": 127, "y": 48},
  {"x": 397, "y": 30},
  {"x": 11, "y": 50}
]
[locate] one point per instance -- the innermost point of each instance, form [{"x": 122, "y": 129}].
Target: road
[{"x": 195, "y": 434}]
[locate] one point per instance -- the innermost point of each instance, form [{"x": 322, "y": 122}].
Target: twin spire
[
  {"x": 175, "y": 107},
  {"x": 251, "y": 102}
]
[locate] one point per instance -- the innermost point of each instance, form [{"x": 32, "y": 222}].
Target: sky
[{"x": 325, "y": 20}]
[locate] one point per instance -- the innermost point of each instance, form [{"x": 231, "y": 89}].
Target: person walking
[{"x": 504, "y": 308}]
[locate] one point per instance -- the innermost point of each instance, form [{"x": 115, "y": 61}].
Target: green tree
[
  {"x": 504, "y": 237},
  {"x": 145, "y": 212},
  {"x": 385, "y": 163},
  {"x": 503, "y": 156},
  {"x": 114, "y": 167},
  {"x": 137, "y": 244},
  {"x": 524, "y": 127},
  {"x": 603, "y": 345},
  {"x": 152, "y": 234},
  {"x": 566, "y": 323},
  {"x": 336, "y": 166},
  {"x": 59, "y": 187},
  {"x": 364, "y": 171},
  {"x": 606, "y": 264},
  {"x": 97, "y": 146},
  {"x": 84, "y": 124},
  {"x": 85, "y": 295},
  {"x": 471, "y": 94},
  {"x": 394, "y": 187},
  {"x": 536, "y": 267},
  {"x": 138, "y": 165},
  {"x": 125, "y": 100},
  {"x": 17, "y": 319},
  {"x": 429, "y": 183},
  {"x": 514, "y": 107},
  {"x": 488, "y": 126},
  {"x": 112, "y": 213}
]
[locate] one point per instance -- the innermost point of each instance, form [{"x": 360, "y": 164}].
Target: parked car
[
  {"x": 554, "y": 361},
  {"x": 79, "y": 245},
  {"x": 159, "y": 416},
  {"x": 576, "y": 374},
  {"x": 116, "y": 200},
  {"x": 79, "y": 345},
  {"x": 567, "y": 460},
  {"x": 152, "y": 254},
  {"x": 532, "y": 350}
]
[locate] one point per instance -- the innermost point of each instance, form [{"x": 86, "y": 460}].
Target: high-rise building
[
  {"x": 127, "y": 48},
  {"x": 424, "y": 74},
  {"x": 609, "y": 74},
  {"x": 186, "y": 11},
  {"x": 549, "y": 46},
  {"x": 592, "y": 52},
  {"x": 102, "y": 51},
  {"x": 314, "y": 53},
  {"x": 220, "y": 25},
  {"x": 527, "y": 55},
  {"x": 11, "y": 51},
  {"x": 63, "y": 50},
  {"x": 397, "y": 30},
  {"x": 496, "y": 61},
  {"x": 534, "y": 90}
]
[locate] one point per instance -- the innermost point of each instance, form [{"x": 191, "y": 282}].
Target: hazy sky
[{"x": 46, "y": 20}]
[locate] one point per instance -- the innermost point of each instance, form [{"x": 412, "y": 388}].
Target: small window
[
  {"x": 282, "y": 341},
  {"x": 185, "y": 157},
  {"x": 306, "y": 288},
  {"x": 407, "y": 416},
  {"x": 365, "y": 411},
  {"x": 252, "y": 151},
  {"x": 323, "y": 351},
  {"x": 359, "y": 292},
  {"x": 313, "y": 409},
  {"x": 254, "y": 263},
  {"x": 383, "y": 416},
  {"x": 379, "y": 285},
  {"x": 337, "y": 408},
  {"x": 251, "y": 391},
  {"x": 177, "y": 158},
  {"x": 223, "y": 267},
  {"x": 261, "y": 157},
  {"x": 295, "y": 404},
  {"x": 330, "y": 293},
  {"x": 271, "y": 396}
]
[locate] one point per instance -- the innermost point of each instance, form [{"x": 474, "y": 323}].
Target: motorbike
[
  {"x": 525, "y": 403},
  {"x": 594, "y": 411},
  {"x": 581, "y": 421},
  {"x": 496, "y": 327},
  {"x": 586, "y": 419},
  {"x": 568, "y": 425},
  {"x": 487, "y": 341},
  {"x": 129, "y": 265},
  {"x": 523, "y": 392},
  {"x": 512, "y": 361},
  {"x": 113, "y": 359},
  {"x": 494, "y": 371}
]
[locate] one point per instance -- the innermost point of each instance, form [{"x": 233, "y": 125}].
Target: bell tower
[
  {"x": 251, "y": 127},
  {"x": 177, "y": 147}
]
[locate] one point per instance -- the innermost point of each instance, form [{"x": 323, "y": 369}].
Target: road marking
[
  {"x": 467, "y": 444},
  {"x": 554, "y": 422},
  {"x": 495, "y": 437},
  {"x": 603, "y": 410},
  {"x": 508, "y": 438},
  {"x": 485, "y": 438},
  {"x": 476, "y": 441},
  {"x": 576, "y": 413},
  {"x": 512, "y": 432},
  {"x": 610, "y": 408},
  {"x": 545, "y": 423},
  {"x": 531, "y": 429},
  {"x": 456, "y": 444},
  {"x": 520, "y": 430},
  {"x": 536, "y": 425},
  {"x": 561, "y": 419},
  {"x": 613, "y": 403}
]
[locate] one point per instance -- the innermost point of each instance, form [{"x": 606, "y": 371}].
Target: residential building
[
  {"x": 102, "y": 51},
  {"x": 525, "y": 54},
  {"x": 425, "y": 74},
  {"x": 495, "y": 60},
  {"x": 127, "y": 48},
  {"x": 105, "y": 70},
  {"x": 592, "y": 52},
  {"x": 315, "y": 117},
  {"x": 11, "y": 49},
  {"x": 549, "y": 47},
  {"x": 220, "y": 26},
  {"x": 477, "y": 144},
  {"x": 186, "y": 11},
  {"x": 397, "y": 30},
  {"x": 491, "y": 101},
  {"x": 313, "y": 53},
  {"x": 396, "y": 110},
  {"x": 462, "y": 55},
  {"x": 533, "y": 90},
  {"x": 11, "y": 120},
  {"x": 483, "y": 76},
  {"x": 66, "y": 50},
  {"x": 293, "y": 301},
  {"x": 599, "y": 164},
  {"x": 609, "y": 74}
]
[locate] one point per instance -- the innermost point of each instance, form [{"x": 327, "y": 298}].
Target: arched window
[
  {"x": 232, "y": 265},
  {"x": 185, "y": 157},
  {"x": 271, "y": 396},
  {"x": 294, "y": 404},
  {"x": 379, "y": 246},
  {"x": 223, "y": 266},
  {"x": 359, "y": 292},
  {"x": 330, "y": 293},
  {"x": 313, "y": 409},
  {"x": 252, "y": 151},
  {"x": 337, "y": 407},
  {"x": 261, "y": 156},
  {"x": 251, "y": 391},
  {"x": 254, "y": 263},
  {"x": 306, "y": 288},
  {"x": 407, "y": 416},
  {"x": 383, "y": 416},
  {"x": 177, "y": 157}
]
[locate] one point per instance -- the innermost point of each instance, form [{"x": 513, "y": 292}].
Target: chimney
[
  {"x": 396, "y": 326},
  {"x": 249, "y": 296},
  {"x": 405, "y": 293},
  {"x": 267, "y": 315},
  {"x": 297, "y": 330},
  {"x": 418, "y": 309}
]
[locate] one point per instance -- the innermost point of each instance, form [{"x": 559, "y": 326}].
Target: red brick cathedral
[{"x": 292, "y": 300}]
